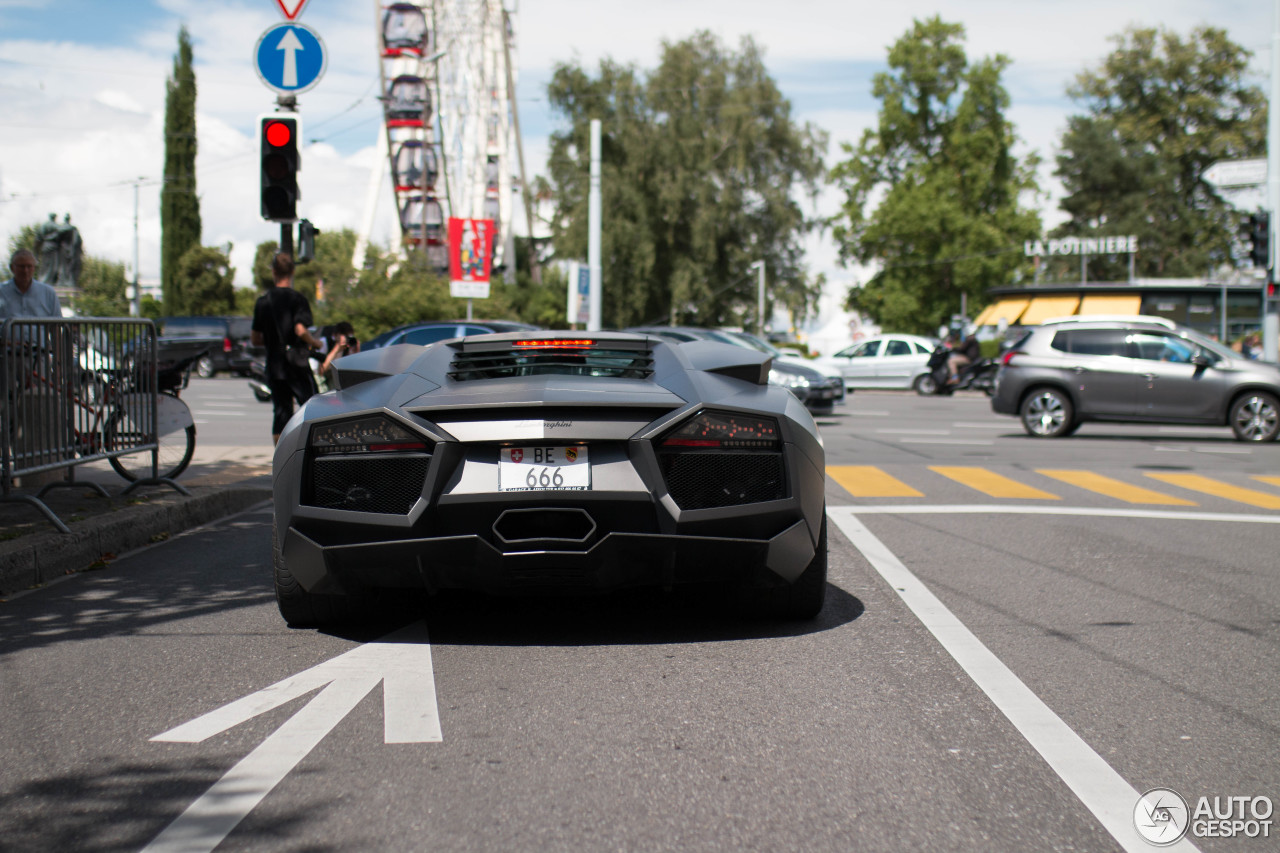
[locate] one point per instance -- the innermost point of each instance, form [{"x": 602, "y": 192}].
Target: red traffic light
[{"x": 279, "y": 134}]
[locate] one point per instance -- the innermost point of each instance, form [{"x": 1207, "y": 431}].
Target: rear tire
[
  {"x": 924, "y": 385},
  {"x": 805, "y": 597},
  {"x": 1047, "y": 413},
  {"x": 1255, "y": 416},
  {"x": 205, "y": 368},
  {"x": 302, "y": 609}
]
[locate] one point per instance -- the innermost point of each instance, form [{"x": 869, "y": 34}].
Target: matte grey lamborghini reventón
[{"x": 563, "y": 461}]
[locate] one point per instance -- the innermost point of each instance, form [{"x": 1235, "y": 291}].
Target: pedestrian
[
  {"x": 23, "y": 295},
  {"x": 281, "y": 318}
]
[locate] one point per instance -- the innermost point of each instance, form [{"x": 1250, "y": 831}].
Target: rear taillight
[
  {"x": 1008, "y": 357},
  {"x": 226, "y": 344},
  {"x": 726, "y": 430},
  {"x": 372, "y": 434}
]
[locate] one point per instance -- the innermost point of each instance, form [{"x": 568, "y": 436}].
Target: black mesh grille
[
  {"x": 387, "y": 484},
  {"x": 715, "y": 478}
]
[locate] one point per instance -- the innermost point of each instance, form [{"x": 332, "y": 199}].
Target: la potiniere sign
[
  {"x": 470, "y": 257},
  {"x": 290, "y": 58},
  {"x": 1082, "y": 246}
]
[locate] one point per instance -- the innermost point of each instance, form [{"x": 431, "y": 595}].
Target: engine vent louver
[{"x": 618, "y": 359}]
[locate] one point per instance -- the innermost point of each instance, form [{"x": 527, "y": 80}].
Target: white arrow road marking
[
  {"x": 401, "y": 661},
  {"x": 290, "y": 45},
  {"x": 1102, "y": 790}
]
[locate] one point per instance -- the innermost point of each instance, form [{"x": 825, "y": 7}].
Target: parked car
[
  {"x": 575, "y": 462},
  {"x": 230, "y": 349},
  {"x": 1059, "y": 376},
  {"x": 883, "y": 361},
  {"x": 435, "y": 331},
  {"x": 811, "y": 386}
]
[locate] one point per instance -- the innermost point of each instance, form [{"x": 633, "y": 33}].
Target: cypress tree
[{"x": 179, "y": 205}]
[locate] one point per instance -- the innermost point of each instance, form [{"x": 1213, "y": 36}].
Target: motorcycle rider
[{"x": 963, "y": 353}]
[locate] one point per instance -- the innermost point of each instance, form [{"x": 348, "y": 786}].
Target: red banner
[{"x": 470, "y": 257}]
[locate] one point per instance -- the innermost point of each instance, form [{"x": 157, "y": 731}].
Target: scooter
[
  {"x": 258, "y": 379},
  {"x": 978, "y": 376}
]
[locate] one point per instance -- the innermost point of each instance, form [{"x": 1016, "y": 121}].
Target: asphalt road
[{"x": 1020, "y": 637}]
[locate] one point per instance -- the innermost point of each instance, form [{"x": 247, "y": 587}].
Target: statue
[{"x": 61, "y": 252}]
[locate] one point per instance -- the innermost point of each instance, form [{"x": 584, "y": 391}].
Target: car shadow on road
[{"x": 635, "y": 617}]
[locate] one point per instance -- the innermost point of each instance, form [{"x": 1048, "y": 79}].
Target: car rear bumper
[{"x": 610, "y": 561}]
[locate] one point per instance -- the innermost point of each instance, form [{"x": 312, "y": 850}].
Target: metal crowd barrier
[{"x": 74, "y": 391}]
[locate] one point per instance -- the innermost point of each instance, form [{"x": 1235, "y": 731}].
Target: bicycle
[{"x": 101, "y": 394}]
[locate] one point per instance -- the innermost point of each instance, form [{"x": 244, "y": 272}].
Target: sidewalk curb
[{"x": 33, "y": 560}]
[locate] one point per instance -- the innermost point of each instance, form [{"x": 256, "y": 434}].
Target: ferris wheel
[{"x": 447, "y": 77}]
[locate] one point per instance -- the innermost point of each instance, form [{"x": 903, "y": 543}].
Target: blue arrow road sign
[{"x": 290, "y": 58}]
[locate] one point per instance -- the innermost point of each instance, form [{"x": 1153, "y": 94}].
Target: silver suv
[{"x": 1058, "y": 376}]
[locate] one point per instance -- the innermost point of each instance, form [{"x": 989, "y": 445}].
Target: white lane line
[
  {"x": 947, "y": 441},
  {"x": 985, "y": 424},
  {"x": 1102, "y": 790},
  {"x": 869, "y": 413},
  {"x": 1014, "y": 509},
  {"x": 915, "y": 431},
  {"x": 210, "y": 819},
  {"x": 400, "y": 661}
]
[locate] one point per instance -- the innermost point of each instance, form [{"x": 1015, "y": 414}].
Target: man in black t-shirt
[{"x": 280, "y": 320}]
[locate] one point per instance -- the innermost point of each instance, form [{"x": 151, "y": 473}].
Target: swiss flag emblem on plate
[
  {"x": 291, "y": 8},
  {"x": 516, "y": 454}
]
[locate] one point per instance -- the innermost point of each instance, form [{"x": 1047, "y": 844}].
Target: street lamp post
[{"x": 759, "y": 265}]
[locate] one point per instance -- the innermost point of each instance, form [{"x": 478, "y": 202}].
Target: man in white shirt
[{"x": 22, "y": 295}]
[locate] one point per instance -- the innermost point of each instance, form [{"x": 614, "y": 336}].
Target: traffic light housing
[
  {"x": 278, "y": 142},
  {"x": 1258, "y": 230},
  {"x": 306, "y": 241}
]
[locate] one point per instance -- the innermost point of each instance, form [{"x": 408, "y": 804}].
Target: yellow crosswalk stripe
[
  {"x": 868, "y": 481},
  {"x": 1217, "y": 488},
  {"x": 991, "y": 483},
  {"x": 1270, "y": 481},
  {"x": 1112, "y": 488}
]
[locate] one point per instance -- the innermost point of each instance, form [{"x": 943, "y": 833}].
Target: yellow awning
[
  {"x": 1044, "y": 307},
  {"x": 1006, "y": 309},
  {"x": 1125, "y": 304}
]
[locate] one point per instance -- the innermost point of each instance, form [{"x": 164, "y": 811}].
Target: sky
[{"x": 82, "y": 85}]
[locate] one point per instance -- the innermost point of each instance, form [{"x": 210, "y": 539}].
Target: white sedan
[{"x": 883, "y": 361}]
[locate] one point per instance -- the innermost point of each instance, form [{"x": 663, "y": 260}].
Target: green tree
[
  {"x": 102, "y": 289},
  {"x": 204, "y": 281},
  {"x": 701, "y": 166},
  {"x": 544, "y": 302},
  {"x": 179, "y": 205},
  {"x": 1160, "y": 109},
  {"x": 934, "y": 193}
]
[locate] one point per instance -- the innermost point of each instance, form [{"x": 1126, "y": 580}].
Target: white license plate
[{"x": 543, "y": 468}]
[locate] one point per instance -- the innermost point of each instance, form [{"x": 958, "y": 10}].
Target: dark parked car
[
  {"x": 1057, "y": 376},
  {"x": 230, "y": 349},
  {"x": 819, "y": 391},
  {"x": 570, "y": 462},
  {"x": 436, "y": 331}
]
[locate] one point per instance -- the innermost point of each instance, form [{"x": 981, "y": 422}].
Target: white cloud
[{"x": 84, "y": 119}]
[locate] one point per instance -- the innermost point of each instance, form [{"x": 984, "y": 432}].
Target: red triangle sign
[{"x": 296, "y": 7}]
